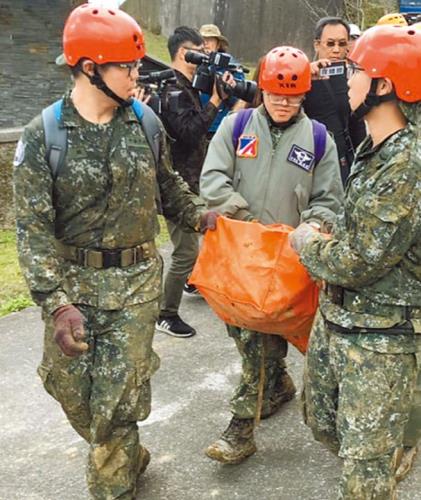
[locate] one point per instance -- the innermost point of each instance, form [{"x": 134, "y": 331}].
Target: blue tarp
[{"x": 410, "y": 6}]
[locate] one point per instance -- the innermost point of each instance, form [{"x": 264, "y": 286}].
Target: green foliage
[
  {"x": 156, "y": 46},
  {"x": 13, "y": 291},
  {"x": 365, "y": 13},
  {"x": 15, "y": 304}
]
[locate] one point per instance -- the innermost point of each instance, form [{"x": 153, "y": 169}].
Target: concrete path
[{"x": 42, "y": 458}]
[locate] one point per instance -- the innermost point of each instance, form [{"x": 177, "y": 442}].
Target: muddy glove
[
  {"x": 208, "y": 221},
  {"x": 302, "y": 235},
  {"x": 68, "y": 330}
]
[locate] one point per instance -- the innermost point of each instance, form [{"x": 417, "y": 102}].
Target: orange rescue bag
[{"x": 252, "y": 278}]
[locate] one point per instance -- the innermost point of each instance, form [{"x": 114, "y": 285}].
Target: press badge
[
  {"x": 302, "y": 158},
  {"x": 247, "y": 146}
]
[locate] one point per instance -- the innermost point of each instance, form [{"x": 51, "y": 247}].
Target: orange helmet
[
  {"x": 285, "y": 70},
  {"x": 392, "y": 52},
  {"x": 102, "y": 35},
  {"x": 395, "y": 19}
]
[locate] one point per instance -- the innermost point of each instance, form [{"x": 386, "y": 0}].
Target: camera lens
[{"x": 194, "y": 57}]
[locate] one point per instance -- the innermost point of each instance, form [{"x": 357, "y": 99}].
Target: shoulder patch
[
  {"x": 19, "y": 153},
  {"x": 247, "y": 146},
  {"x": 302, "y": 158}
]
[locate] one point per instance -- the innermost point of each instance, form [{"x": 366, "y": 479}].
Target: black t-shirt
[
  {"x": 334, "y": 112},
  {"x": 188, "y": 126}
]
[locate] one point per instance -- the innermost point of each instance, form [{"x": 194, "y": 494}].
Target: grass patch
[
  {"x": 156, "y": 46},
  {"x": 14, "y": 295}
]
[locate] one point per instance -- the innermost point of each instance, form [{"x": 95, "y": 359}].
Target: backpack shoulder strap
[
  {"x": 150, "y": 125},
  {"x": 55, "y": 137},
  {"x": 319, "y": 137},
  {"x": 241, "y": 118}
]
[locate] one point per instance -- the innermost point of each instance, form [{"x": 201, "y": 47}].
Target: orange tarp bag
[{"x": 252, "y": 278}]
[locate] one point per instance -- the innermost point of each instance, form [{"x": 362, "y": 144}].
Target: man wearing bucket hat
[
  {"x": 214, "y": 41},
  {"x": 361, "y": 365},
  {"x": 85, "y": 228},
  {"x": 268, "y": 164},
  {"x": 213, "y": 38}
]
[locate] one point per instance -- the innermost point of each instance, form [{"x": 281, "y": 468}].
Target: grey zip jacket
[{"x": 272, "y": 176}]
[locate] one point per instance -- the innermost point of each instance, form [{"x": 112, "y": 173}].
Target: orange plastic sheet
[{"x": 252, "y": 278}]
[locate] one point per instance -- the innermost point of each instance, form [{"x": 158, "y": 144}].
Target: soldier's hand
[
  {"x": 302, "y": 235},
  {"x": 69, "y": 331},
  {"x": 208, "y": 221},
  {"x": 140, "y": 94}
]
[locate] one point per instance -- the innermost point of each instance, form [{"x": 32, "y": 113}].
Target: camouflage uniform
[
  {"x": 361, "y": 364},
  {"x": 104, "y": 197},
  {"x": 253, "y": 348}
]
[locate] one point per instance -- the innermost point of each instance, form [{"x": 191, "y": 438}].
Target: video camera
[
  {"x": 154, "y": 83},
  {"x": 213, "y": 65}
]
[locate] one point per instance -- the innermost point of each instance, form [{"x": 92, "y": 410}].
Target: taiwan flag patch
[{"x": 247, "y": 146}]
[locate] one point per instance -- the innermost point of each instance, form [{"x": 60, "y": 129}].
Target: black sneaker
[
  {"x": 190, "y": 289},
  {"x": 175, "y": 326}
]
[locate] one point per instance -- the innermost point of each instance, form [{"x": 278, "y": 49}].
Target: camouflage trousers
[
  {"x": 251, "y": 345},
  {"x": 106, "y": 391},
  {"x": 412, "y": 433},
  {"x": 357, "y": 403}
]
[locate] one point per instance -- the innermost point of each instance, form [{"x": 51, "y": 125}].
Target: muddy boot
[
  {"x": 235, "y": 444},
  {"x": 404, "y": 460},
  {"x": 144, "y": 459},
  {"x": 284, "y": 392}
]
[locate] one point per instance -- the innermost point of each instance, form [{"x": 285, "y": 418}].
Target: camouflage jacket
[
  {"x": 375, "y": 251},
  {"x": 188, "y": 126},
  {"x": 103, "y": 197}
]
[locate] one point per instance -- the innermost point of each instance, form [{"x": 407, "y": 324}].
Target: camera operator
[
  {"x": 214, "y": 41},
  {"x": 187, "y": 126}
]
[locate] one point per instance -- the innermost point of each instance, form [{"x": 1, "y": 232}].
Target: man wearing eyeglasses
[
  {"x": 273, "y": 173},
  {"x": 187, "y": 126},
  {"x": 86, "y": 244},
  {"x": 327, "y": 101}
]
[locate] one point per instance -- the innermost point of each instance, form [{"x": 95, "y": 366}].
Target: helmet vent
[
  {"x": 280, "y": 76},
  {"x": 112, "y": 12},
  {"x": 135, "y": 38},
  {"x": 95, "y": 11},
  {"x": 282, "y": 54},
  {"x": 411, "y": 32},
  {"x": 294, "y": 78}
]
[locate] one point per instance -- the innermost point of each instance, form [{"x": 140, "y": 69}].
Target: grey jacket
[{"x": 272, "y": 187}]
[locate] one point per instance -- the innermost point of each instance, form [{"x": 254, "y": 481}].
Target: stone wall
[{"x": 30, "y": 38}]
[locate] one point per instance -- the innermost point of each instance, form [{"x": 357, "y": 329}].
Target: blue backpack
[
  {"x": 319, "y": 132},
  {"x": 56, "y": 136}
]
